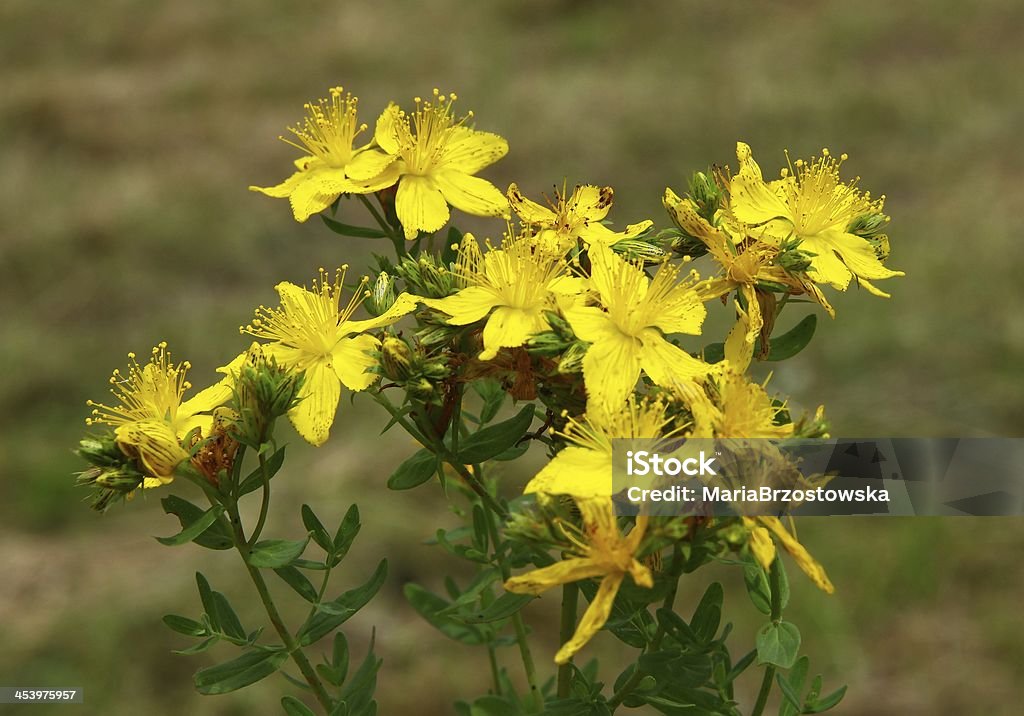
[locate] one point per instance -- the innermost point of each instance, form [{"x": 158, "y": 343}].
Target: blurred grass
[{"x": 130, "y": 132}]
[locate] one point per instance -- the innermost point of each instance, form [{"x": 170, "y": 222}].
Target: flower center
[{"x": 329, "y": 129}]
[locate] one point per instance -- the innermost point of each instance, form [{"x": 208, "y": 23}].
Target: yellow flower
[
  {"x": 332, "y": 167},
  {"x": 436, "y": 156},
  {"x": 601, "y": 551},
  {"x": 626, "y": 331},
  {"x": 519, "y": 281},
  {"x": 577, "y": 217},
  {"x": 583, "y": 468},
  {"x": 761, "y": 529},
  {"x": 151, "y": 396},
  {"x": 313, "y": 333},
  {"x": 811, "y": 204}
]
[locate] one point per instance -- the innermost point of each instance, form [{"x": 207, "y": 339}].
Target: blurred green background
[{"x": 129, "y": 132}]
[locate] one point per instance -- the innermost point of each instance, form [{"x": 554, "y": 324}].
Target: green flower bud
[
  {"x": 396, "y": 359},
  {"x": 426, "y": 277},
  {"x": 264, "y": 391},
  {"x": 382, "y": 294}
]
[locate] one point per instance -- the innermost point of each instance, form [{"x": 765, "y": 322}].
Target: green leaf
[
  {"x": 226, "y": 617},
  {"x": 793, "y": 341},
  {"x": 430, "y": 607},
  {"x": 237, "y": 673},
  {"x": 780, "y": 348},
  {"x": 293, "y": 707},
  {"x": 206, "y": 597},
  {"x": 358, "y": 692},
  {"x": 492, "y": 705},
  {"x": 792, "y": 704},
  {"x": 415, "y": 471},
  {"x": 194, "y": 529},
  {"x": 184, "y": 625},
  {"x": 778, "y": 644},
  {"x": 274, "y": 553},
  {"x": 708, "y": 614},
  {"x": 197, "y": 648},
  {"x": 330, "y": 615},
  {"x": 827, "y": 702},
  {"x": 214, "y": 537},
  {"x": 501, "y": 608},
  {"x": 783, "y": 582},
  {"x": 254, "y": 480},
  {"x": 493, "y": 396},
  {"x": 298, "y": 581},
  {"x": 758, "y": 590},
  {"x": 347, "y": 531},
  {"x": 359, "y": 232},
  {"x": 495, "y": 439},
  {"x": 316, "y": 527}
]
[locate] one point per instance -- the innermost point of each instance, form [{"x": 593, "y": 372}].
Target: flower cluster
[{"x": 601, "y": 327}]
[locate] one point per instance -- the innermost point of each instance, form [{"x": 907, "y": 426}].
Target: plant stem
[
  {"x": 769, "y": 672},
  {"x": 294, "y": 650},
  {"x": 439, "y": 449},
  {"x": 536, "y": 699},
  {"x": 670, "y": 599},
  {"x": 265, "y": 504},
  {"x": 566, "y": 627},
  {"x": 397, "y": 241}
]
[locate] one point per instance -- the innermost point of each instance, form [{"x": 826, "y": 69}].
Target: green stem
[
  {"x": 438, "y": 448},
  {"x": 566, "y": 627},
  {"x": 536, "y": 699},
  {"x": 769, "y": 673},
  {"x": 492, "y": 656},
  {"x": 397, "y": 241},
  {"x": 265, "y": 504},
  {"x": 670, "y": 599}
]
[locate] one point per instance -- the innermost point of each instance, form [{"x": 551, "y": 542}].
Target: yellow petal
[
  {"x": 467, "y": 306},
  {"x": 386, "y": 132},
  {"x": 318, "y": 402},
  {"x": 316, "y": 192},
  {"x": 470, "y": 194},
  {"x": 510, "y": 327},
  {"x": 576, "y": 471},
  {"x": 858, "y": 255},
  {"x": 811, "y": 567},
  {"x": 206, "y": 399},
  {"x": 825, "y": 265},
  {"x": 667, "y": 364},
  {"x": 368, "y": 164},
  {"x": 351, "y": 359},
  {"x": 529, "y": 211},
  {"x": 590, "y": 323},
  {"x": 593, "y": 619},
  {"x": 563, "y": 572},
  {"x": 753, "y": 201},
  {"x": 761, "y": 544},
  {"x": 469, "y": 151},
  {"x": 405, "y": 303},
  {"x": 283, "y": 189},
  {"x": 420, "y": 205},
  {"x": 591, "y": 203},
  {"x": 611, "y": 368}
]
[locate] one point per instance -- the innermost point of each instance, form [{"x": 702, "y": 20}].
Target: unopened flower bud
[
  {"x": 395, "y": 359},
  {"x": 264, "y": 391},
  {"x": 382, "y": 294}
]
